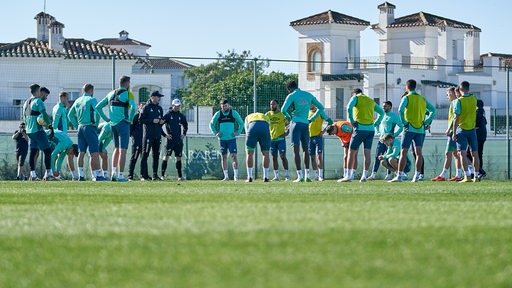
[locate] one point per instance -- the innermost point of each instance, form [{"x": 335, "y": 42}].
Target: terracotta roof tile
[
  {"x": 73, "y": 48},
  {"x": 505, "y": 58},
  {"x": 427, "y": 19},
  {"x": 162, "y": 64},
  {"x": 117, "y": 41},
  {"x": 329, "y": 17},
  {"x": 29, "y": 47}
]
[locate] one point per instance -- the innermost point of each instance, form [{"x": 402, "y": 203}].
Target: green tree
[
  {"x": 231, "y": 77},
  {"x": 272, "y": 86}
]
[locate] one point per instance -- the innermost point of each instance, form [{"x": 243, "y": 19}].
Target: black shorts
[
  {"x": 21, "y": 156},
  {"x": 176, "y": 146}
]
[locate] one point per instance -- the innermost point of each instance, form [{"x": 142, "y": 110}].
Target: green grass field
[{"x": 236, "y": 234}]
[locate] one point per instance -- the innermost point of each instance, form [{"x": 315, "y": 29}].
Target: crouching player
[
  {"x": 342, "y": 129},
  {"x": 257, "y": 128},
  {"x": 392, "y": 155},
  {"x": 62, "y": 146},
  {"x": 104, "y": 138}
]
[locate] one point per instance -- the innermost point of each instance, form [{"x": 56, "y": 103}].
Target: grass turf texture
[{"x": 236, "y": 234}]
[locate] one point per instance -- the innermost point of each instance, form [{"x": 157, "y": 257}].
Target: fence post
[
  {"x": 113, "y": 71},
  {"x": 255, "y": 90},
  {"x": 494, "y": 122},
  {"x": 386, "y": 80},
  {"x": 254, "y": 108},
  {"x": 186, "y": 158},
  {"x": 507, "y": 121}
]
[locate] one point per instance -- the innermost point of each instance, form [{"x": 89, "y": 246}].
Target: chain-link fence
[{"x": 250, "y": 83}]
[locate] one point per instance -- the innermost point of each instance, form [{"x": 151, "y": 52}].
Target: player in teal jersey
[
  {"x": 62, "y": 147},
  {"x": 389, "y": 123},
  {"x": 299, "y": 128},
  {"x": 390, "y": 158},
  {"x": 121, "y": 112},
  {"x": 104, "y": 139},
  {"x": 60, "y": 114},
  {"x": 223, "y": 126},
  {"x": 464, "y": 132},
  {"x": 84, "y": 115},
  {"x": 361, "y": 109},
  {"x": 451, "y": 146},
  {"x": 33, "y": 108},
  {"x": 413, "y": 108}
]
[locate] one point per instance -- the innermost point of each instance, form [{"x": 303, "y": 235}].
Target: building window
[
  {"x": 316, "y": 59},
  {"x": 143, "y": 94},
  {"x": 352, "y": 60},
  {"x": 340, "y": 103},
  {"x": 314, "y": 51},
  {"x": 454, "y": 49},
  {"x": 351, "y": 49}
]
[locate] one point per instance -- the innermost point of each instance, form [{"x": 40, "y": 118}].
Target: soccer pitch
[{"x": 236, "y": 234}]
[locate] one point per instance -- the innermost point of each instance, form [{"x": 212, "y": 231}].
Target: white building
[
  {"x": 64, "y": 64},
  {"x": 435, "y": 51}
]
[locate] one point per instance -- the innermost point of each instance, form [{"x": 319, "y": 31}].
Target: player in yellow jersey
[
  {"x": 451, "y": 146},
  {"x": 257, "y": 127},
  {"x": 413, "y": 108},
  {"x": 361, "y": 110},
  {"x": 464, "y": 132},
  {"x": 278, "y": 133},
  {"x": 316, "y": 143}
]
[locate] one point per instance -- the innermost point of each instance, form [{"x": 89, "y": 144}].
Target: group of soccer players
[
  {"x": 145, "y": 126},
  {"x": 305, "y": 129}
]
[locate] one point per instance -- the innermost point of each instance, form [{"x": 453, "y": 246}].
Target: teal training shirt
[
  {"x": 124, "y": 110},
  {"x": 302, "y": 101},
  {"x": 31, "y": 109},
  {"x": 226, "y": 127},
  {"x": 83, "y": 111},
  {"x": 393, "y": 150},
  {"x": 60, "y": 143},
  {"x": 389, "y": 123},
  {"x": 105, "y": 134},
  {"x": 60, "y": 117}
]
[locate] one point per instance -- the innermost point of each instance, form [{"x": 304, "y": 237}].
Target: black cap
[{"x": 157, "y": 94}]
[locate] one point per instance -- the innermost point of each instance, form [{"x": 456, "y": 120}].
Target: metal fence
[
  {"x": 250, "y": 83},
  {"x": 201, "y": 159}
]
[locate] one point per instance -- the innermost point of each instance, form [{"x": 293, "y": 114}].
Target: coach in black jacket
[
  {"x": 176, "y": 127},
  {"x": 151, "y": 119},
  {"x": 136, "y": 135},
  {"x": 481, "y": 132}
]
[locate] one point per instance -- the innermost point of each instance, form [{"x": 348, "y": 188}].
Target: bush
[{"x": 8, "y": 171}]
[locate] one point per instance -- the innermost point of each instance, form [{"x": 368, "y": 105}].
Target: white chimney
[
  {"x": 123, "y": 35},
  {"x": 56, "y": 41},
  {"x": 387, "y": 14},
  {"x": 43, "y": 20}
]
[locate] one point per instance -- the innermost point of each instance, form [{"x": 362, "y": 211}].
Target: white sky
[{"x": 193, "y": 28}]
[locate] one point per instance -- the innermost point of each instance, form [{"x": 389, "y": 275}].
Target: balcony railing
[
  {"x": 473, "y": 65},
  {"x": 365, "y": 62},
  {"x": 429, "y": 63}
]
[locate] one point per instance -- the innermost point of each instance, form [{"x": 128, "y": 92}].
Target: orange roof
[{"x": 329, "y": 17}]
